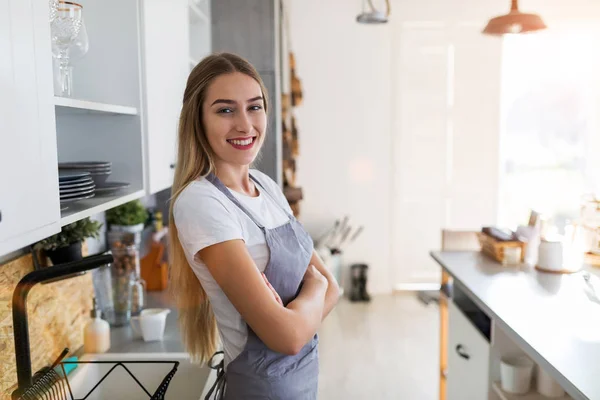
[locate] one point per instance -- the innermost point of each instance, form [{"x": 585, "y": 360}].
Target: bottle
[
  {"x": 158, "y": 221},
  {"x": 96, "y": 334}
]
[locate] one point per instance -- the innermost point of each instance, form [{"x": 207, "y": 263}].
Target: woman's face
[{"x": 234, "y": 118}]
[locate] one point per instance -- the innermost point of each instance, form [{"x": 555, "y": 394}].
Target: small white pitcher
[{"x": 150, "y": 323}]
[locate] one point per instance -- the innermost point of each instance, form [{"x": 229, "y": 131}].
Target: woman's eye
[
  {"x": 255, "y": 108},
  {"x": 225, "y": 111}
]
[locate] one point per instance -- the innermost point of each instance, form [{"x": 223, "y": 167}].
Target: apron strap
[
  {"x": 290, "y": 216},
  {"x": 219, "y": 386},
  {"x": 212, "y": 178}
]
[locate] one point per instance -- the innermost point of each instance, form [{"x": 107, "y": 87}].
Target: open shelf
[
  {"x": 196, "y": 14},
  {"x": 68, "y": 105},
  {"x": 532, "y": 395},
  {"x": 97, "y": 204}
]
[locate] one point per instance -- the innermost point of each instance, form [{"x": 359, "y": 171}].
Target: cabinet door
[
  {"x": 29, "y": 199},
  {"x": 165, "y": 33},
  {"x": 468, "y": 358}
]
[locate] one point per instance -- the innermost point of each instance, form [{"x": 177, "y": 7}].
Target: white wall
[
  {"x": 358, "y": 152},
  {"x": 368, "y": 149},
  {"x": 344, "y": 127}
]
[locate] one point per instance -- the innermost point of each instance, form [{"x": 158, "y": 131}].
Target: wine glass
[
  {"x": 65, "y": 28},
  {"x": 81, "y": 44},
  {"x": 78, "y": 48},
  {"x": 53, "y": 7}
]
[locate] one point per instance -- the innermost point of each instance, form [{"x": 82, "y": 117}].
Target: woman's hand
[
  {"x": 272, "y": 289},
  {"x": 333, "y": 289},
  {"x": 312, "y": 276}
]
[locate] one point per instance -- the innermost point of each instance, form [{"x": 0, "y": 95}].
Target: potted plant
[
  {"x": 65, "y": 246},
  {"x": 129, "y": 217}
]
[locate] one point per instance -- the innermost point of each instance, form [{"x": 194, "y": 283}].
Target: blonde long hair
[{"x": 195, "y": 159}]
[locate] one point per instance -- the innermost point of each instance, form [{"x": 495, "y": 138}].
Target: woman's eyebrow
[{"x": 227, "y": 101}]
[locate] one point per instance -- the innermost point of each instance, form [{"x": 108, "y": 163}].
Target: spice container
[{"x": 126, "y": 267}]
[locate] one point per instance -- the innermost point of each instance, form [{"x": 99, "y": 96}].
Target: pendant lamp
[
  {"x": 514, "y": 22},
  {"x": 374, "y": 16}
]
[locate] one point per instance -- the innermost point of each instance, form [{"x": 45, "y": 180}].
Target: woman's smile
[{"x": 243, "y": 143}]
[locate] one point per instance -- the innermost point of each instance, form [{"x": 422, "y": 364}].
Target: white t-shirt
[{"x": 205, "y": 216}]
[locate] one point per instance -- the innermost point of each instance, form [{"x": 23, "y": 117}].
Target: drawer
[{"x": 468, "y": 358}]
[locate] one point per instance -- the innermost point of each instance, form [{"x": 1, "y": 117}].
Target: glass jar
[
  {"x": 126, "y": 265},
  {"x": 113, "y": 290}
]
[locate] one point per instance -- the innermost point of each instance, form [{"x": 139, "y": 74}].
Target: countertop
[
  {"x": 549, "y": 316},
  {"x": 124, "y": 340}
]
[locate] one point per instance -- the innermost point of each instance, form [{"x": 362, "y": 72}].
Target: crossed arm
[
  {"x": 333, "y": 289},
  {"x": 282, "y": 329}
]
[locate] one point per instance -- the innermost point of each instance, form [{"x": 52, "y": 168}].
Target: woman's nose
[{"x": 242, "y": 122}]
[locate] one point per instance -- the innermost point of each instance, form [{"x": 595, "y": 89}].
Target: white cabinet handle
[{"x": 461, "y": 352}]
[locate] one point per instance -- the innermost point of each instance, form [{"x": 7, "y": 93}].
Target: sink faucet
[{"x": 19, "y": 305}]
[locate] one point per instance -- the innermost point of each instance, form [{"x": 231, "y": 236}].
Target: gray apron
[{"x": 259, "y": 372}]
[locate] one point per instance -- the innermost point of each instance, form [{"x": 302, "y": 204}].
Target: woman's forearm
[
  {"x": 309, "y": 307},
  {"x": 333, "y": 289}
]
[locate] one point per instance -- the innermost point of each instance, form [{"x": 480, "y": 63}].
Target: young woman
[{"x": 242, "y": 267}]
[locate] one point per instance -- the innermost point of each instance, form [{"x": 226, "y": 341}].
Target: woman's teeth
[{"x": 244, "y": 142}]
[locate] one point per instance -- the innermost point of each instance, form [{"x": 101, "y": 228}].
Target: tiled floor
[{"x": 386, "y": 349}]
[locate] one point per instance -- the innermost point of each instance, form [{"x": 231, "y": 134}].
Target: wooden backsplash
[{"x": 57, "y": 313}]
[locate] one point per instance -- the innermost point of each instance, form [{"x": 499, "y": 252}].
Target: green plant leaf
[
  {"x": 77, "y": 231},
  {"x": 131, "y": 213}
]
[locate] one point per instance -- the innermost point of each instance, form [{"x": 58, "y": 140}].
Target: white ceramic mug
[
  {"x": 150, "y": 323},
  {"x": 515, "y": 374},
  {"x": 548, "y": 386},
  {"x": 550, "y": 254}
]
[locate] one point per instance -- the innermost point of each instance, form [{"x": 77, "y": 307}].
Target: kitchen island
[{"x": 553, "y": 319}]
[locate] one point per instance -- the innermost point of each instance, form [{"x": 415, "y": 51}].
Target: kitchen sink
[{"x": 191, "y": 381}]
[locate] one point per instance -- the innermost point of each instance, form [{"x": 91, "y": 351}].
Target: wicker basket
[{"x": 495, "y": 248}]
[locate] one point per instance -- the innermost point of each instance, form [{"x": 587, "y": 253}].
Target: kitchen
[{"x": 393, "y": 137}]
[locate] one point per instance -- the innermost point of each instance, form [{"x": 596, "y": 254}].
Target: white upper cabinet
[
  {"x": 29, "y": 200},
  {"x": 165, "y": 63}
]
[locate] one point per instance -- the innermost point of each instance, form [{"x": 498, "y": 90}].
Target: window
[{"x": 549, "y": 146}]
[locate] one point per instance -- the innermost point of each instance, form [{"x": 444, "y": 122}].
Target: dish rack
[
  {"x": 49, "y": 383},
  {"x": 495, "y": 248}
]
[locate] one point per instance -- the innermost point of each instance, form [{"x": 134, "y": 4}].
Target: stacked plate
[
  {"x": 75, "y": 186},
  {"x": 98, "y": 170}
]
